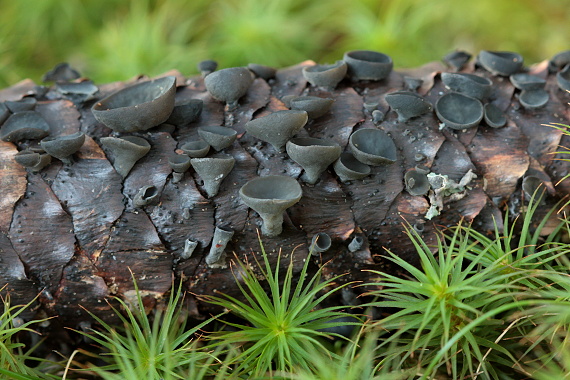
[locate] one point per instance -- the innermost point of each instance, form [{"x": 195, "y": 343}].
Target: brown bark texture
[{"x": 71, "y": 234}]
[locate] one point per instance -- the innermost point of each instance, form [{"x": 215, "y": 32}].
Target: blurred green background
[{"x": 111, "y": 40}]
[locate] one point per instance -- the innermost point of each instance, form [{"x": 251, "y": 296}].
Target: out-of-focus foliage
[{"x": 116, "y": 39}]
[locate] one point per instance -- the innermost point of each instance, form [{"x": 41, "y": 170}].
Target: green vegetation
[{"x": 112, "y": 40}]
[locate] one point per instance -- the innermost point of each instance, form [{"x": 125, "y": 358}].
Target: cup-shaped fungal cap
[
  {"x": 216, "y": 258},
  {"x": 262, "y": 71},
  {"x": 458, "y": 111},
  {"x": 25, "y": 104},
  {"x": 532, "y": 99},
  {"x": 62, "y": 147},
  {"x": 348, "y": 168},
  {"x": 179, "y": 163},
  {"x": 218, "y": 137},
  {"x": 287, "y": 100},
  {"x": 126, "y": 151},
  {"x": 189, "y": 247},
  {"x": 62, "y": 72},
  {"x": 228, "y": 85},
  {"x": 277, "y": 127},
  {"x": 213, "y": 170},
  {"x": 138, "y": 107},
  {"x": 563, "y": 78},
  {"x": 27, "y": 125},
  {"x": 412, "y": 84},
  {"x": 368, "y": 64},
  {"x": 207, "y": 66},
  {"x": 494, "y": 117},
  {"x": 468, "y": 84},
  {"x": 314, "y": 105},
  {"x": 457, "y": 59},
  {"x": 196, "y": 149},
  {"x": 269, "y": 197},
  {"x": 502, "y": 63},
  {"x": 373, "y": 147},
  {"x": 407, "y": 104},
  {"x": 185, "y": 112},
  {"x": 356, "y": 243},
  {"x": 145, "y": 196},
  {"x": 524, "y": 81},
  {"x": 85, "y": 88},
  {"x": 327, "y": 76},
  {"x": 4, "y": 113},
  {"x": 34, "y": 161},
  {"x": 561, "y": 59},
  {"x": 313, "y": 154},
  {"x": 321, "y": 242},
  {"x": 416, "y": 182},
  {"x": 533, "y": 186}
]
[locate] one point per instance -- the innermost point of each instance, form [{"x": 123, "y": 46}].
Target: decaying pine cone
[{"x": 73, "y": 232}]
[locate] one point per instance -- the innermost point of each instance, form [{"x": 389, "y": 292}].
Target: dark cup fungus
[
  {"x": 269, "y": 197},
  {"x": 348, "y": 168},
  {"x": 315, "y": 106},
  {"x": 458, "y": 111},
  {"x": 494, "y": 117},
  {"x": 563, "y": 78},
  {"x": 326, "y": 76},
  {"x": 138, "y": 107},
  {"x": 368, "y": 64},
  {"x": 407, "y": 104},
  {"x": 560, "y": 60},
  {"x": 314, "y": 155},
  {"x": 62, "y": 72},
  {"x": 373, "y": 147},
  {"x": 228, "y": 85},
  {"x": 321, "y": 242},
  {"x": 126, "y": 151},
  {"x": 63, "y": 147},
  {"x": 189, "y": 247},
  {"x": 179, "y": 164},
  {"x": 196, "y": 149},
  {"x": 533, "y": 187},
  {"x": 84, "y": 89},
  {"x": 218, "y": 137},
  {"x": 34, "y": 161},
  {"x": 145, "y": 196},
  {"x": 213, "y": 170},
  {"x": 524, "y": 81},
  {"x": 185, "y": 112},
  {"x": 356, "y": 243},
  {"x": 412, "y": 84},
  {"x": 27, "y": 125},
  {"x": 457, "y": 59},
  {"x": 216, "y": 258},
  {"x": 532, "y": 99},
  {"x": 377, "y": 117},
  {"x": 468, "y": 84},
  {"x": 502, "y": 63},
  {"x": 4, "y": 113},
  {"x": 416, "y": 182},
  {"x": 262, "y": 71},
  {"x": 24, "y": 104},
  {"x": 278, "y": 127},
  {"x": 207, "y": 67}
]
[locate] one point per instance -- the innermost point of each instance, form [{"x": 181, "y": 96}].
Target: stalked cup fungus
[
  {"x": 356, "y": 243},
  {"x": 213, "y": 170},
  {"x": 126, "y": 151},
  {"x": 468, "y": 84},
  {"x": 368, "y": 64},
  {"x": 527, "y": 82},
  {"x": 326, "y": 76},
  {"x": 373, "y": 147},
  {"x": 457, "y": 59},
  {"x": 313, "y": 154},
  {"x": 189, "y": 247},
  {"x": 563, "y": 78},
  {"x": 207, "y": 67},
  {"x": 27, "y": 125},
  {"x": 412, "y": 84},
  {"x": 502, "y": 63},
  {"x": 33, "y": 161},
  {"x": 185, "y": 112},
  {"x": 228, "y": 85},
  {"x": 179, "y": 164},
  {"x": 62, "y": 72},
  {"x": 348, "y": 168},
  {"x": 533, "y": 187},
  {"x": 138, "y": 107},
  {"x": 4, "y": 113},
  {"x": 416, "y": 182},
  {"x": 407, "y": 104},
  {"x": 532, "y": 99},
  {"x": 270, "y": 196},
  {"x": 262, "y": 71},
  {"x": 218, "y": 137},
  {"x": 277, "y": 127},
  {"x": 560, "y": 60},
  {"x": 63, "y": 147},
  {"x": 314, "y": 105},
  {"x": 216, "y": 258},
  {"x": 196, "y": 149},
  {"x": 24, "y": 104},
  {"x": 321, "y": 242},
  {"x": 145, "y": 196},
  {"x": 494, "y": 117},
  {"x": 458, "y": 111}
]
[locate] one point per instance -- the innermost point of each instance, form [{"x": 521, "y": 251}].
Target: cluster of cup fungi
[{"x": 151, "y": 103}]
